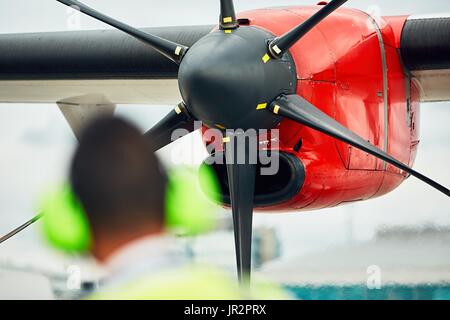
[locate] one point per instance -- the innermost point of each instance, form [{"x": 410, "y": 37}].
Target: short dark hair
[{"x": 117, "y": 177}]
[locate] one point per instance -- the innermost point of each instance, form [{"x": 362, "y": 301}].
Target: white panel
[
  {"x": 115, "y": 91},
  {"x": 434, "y": 85}
]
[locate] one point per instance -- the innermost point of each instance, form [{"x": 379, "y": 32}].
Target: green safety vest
[{"x": 190, "y": 283}]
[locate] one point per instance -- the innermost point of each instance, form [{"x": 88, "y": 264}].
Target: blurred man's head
[{"x": 120, "y": 184}]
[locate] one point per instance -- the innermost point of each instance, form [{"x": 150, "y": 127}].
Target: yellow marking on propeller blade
[
  {"x": 178, "y": 50},
  {"x": 266, "y": 58},
  {"x": 228, "y": 31},
  {"x": 261, "y": 106},
  {"x": 220, "y": 126},
  {"x": 227, "y": 19},
  {"x": 178, "y": 110},
  {"x": 276, "y": 109},
  {"x": 226, "y": 139}
]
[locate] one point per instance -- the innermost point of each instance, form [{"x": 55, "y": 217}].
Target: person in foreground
[{"x": 121, "y": 187}]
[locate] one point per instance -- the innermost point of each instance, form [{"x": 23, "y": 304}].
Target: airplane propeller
[
  {"x": 171, "y": 50},
  {"x": 281, "y": 44},
  {"x": 20, "y": 228},
  {"x": 300, "y": 110},
  {"x": 241, "y": 181},
  {"x": 241, "y": 78},
  {"x": 161, "y": 133},
  {"x": 227, "y": 15}
]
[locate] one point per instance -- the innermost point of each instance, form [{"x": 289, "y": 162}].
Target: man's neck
[
  {"x": 107, "y": 245},
  {"x": 149, "y": 254}
]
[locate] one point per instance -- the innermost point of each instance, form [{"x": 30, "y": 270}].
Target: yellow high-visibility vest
[{"x": 189, "y": 283}]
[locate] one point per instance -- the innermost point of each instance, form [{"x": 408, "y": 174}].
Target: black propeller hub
[{"x": 227, "y": 79}]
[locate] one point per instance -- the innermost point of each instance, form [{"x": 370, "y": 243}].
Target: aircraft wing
[
  {"x": 425, "y": 51},
  {"x": 51, "y": 67},
  {"x": 55, "y": 66}
]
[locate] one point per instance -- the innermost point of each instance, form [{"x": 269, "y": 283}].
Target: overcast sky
[{"x": 36, "y": 142}]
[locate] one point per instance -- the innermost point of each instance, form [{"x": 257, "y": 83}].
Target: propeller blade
[
  {"x": 160, "y": 134},
  {"x": 300, "y": 110},
  {"x": 281, "y": 44},
  {"x": 20, "y": 228},
  {"x": 171, "y": 50},
  {"x": 241, "y": 181},
  {"x": 227, "y": 15}
]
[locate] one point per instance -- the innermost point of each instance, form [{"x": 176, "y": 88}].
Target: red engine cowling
[{"x": 349, "y": 67}]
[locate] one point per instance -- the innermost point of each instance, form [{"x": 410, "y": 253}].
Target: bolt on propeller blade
[
  {"x": 160, "y": 134},
  {"x": 300, "y": 110},
  {"x": 241, "y": 181},
  {"x": 171, "y": 50},
  {"x": 281, "y": 44},
  {"x": 227, "y": 15}
]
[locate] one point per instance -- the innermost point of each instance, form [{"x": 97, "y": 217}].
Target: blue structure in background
[{"x": 361, "y": 292}]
